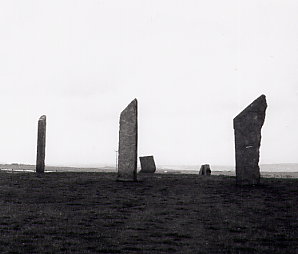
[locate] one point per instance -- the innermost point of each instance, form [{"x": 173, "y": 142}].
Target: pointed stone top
[
  {"x": 43, "y": 118},
  {"x": 133, "y": 103},
  {"x": 258, "y": 105},
  {"x": 132, "y": 106}
]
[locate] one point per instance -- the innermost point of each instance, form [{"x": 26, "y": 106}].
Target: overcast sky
[{"x": 192, "y": 65}]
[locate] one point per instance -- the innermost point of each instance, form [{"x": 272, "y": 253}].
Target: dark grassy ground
[{"x": 92, "y": 213}]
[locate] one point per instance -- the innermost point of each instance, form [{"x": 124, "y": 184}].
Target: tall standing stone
[
  {"x": 247, "y": 130},
  {"x": 147, "y": 164},
  {"x": 128, "y": 143},
  {"x": 41, "y": 144}
]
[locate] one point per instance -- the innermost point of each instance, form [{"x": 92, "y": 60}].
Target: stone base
[{"x": 248, "y": 176}]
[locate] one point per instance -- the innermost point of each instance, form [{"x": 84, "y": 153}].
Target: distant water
[
  {"x": 286, "y": 170},
  {"x": 10, "y": 170},
  {"x": 285, "y": 167}
]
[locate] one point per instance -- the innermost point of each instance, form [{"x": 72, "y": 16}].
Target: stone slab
[
  {"x": 128, "y": 143},
  {"x": 205, "y": 170},
  {"x": 147, "y": 164},
  {"x": 247, "y": 131},
  {"x": 41, "y": 144}
]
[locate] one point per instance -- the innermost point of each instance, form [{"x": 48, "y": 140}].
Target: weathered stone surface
[
  {"x": 41, "y": 145},
  {"x": 205, "y": 170},
  {"x": 247, "y": 130},
  {"x": 128, "y": 143},
  {"x": 147, "y": 164}
]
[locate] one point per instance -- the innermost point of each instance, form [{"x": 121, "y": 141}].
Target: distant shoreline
[
  {"x": 282, "y": 167},
  {"x": 265, "y": 172}
]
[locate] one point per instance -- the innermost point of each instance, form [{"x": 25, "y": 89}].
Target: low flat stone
[
  {"x": 205, "y": 170},
  {"x": 247, "y": 130},
  {"x": 128, "y": 143},
  {"x": 147, "y": 164}
]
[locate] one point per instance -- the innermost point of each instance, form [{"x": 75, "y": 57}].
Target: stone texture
[
  {"x": 247, "y": 130},
  {"x": 128, "y": 143},
  {"x": 205, "y": 170},
  {"x": 147, "y": 164},
  {"x": 41, "y": 145}
]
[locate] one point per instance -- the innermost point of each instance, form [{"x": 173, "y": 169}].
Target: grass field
[{"x": 162, "y": 213}]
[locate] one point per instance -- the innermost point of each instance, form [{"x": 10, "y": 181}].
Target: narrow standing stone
[
  {"x": 205, "y": 170},
  {"x": 247, "y": 130},
  {"x": 41, "y": 145},
  {"x": 128, "y": 143},
  {"x": 147, "y": 164}
]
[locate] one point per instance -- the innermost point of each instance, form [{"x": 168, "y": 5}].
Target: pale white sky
[{"x": 192, "y": 65}]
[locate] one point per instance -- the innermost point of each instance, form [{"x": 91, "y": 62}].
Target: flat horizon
[{"x": 272, "y": 167}]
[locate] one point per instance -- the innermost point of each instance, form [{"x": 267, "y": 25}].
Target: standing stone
[
  {"x": 41, "y": 145},
  {"x": 128, "y": 143},
  {"x": 147, "y": 164},
  {"x": 205, "y": 170},
  {"x": 247, "y": 130}
]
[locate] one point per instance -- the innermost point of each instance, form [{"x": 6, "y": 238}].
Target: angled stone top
[
  {"x": 129, "y": 113},
  {"x": 252, "y": 116}
]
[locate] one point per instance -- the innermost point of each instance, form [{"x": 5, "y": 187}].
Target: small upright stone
[
  {"x": 128, "y": 143},
  {"x": 205, "y": 170},
  {"x": 147, "y": 164},
  {"x": 247, "y": 130},
  {"x": 41, "y": 145}
]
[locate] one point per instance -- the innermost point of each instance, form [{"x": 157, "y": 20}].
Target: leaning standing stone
[
  {"x": 247, "y": 130},
  {"x": 41, "y": 145},
  {"x": 147, "y": 164},
  {"x": 128, "y": 143},
  {"x": 205, "y": 170}
]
